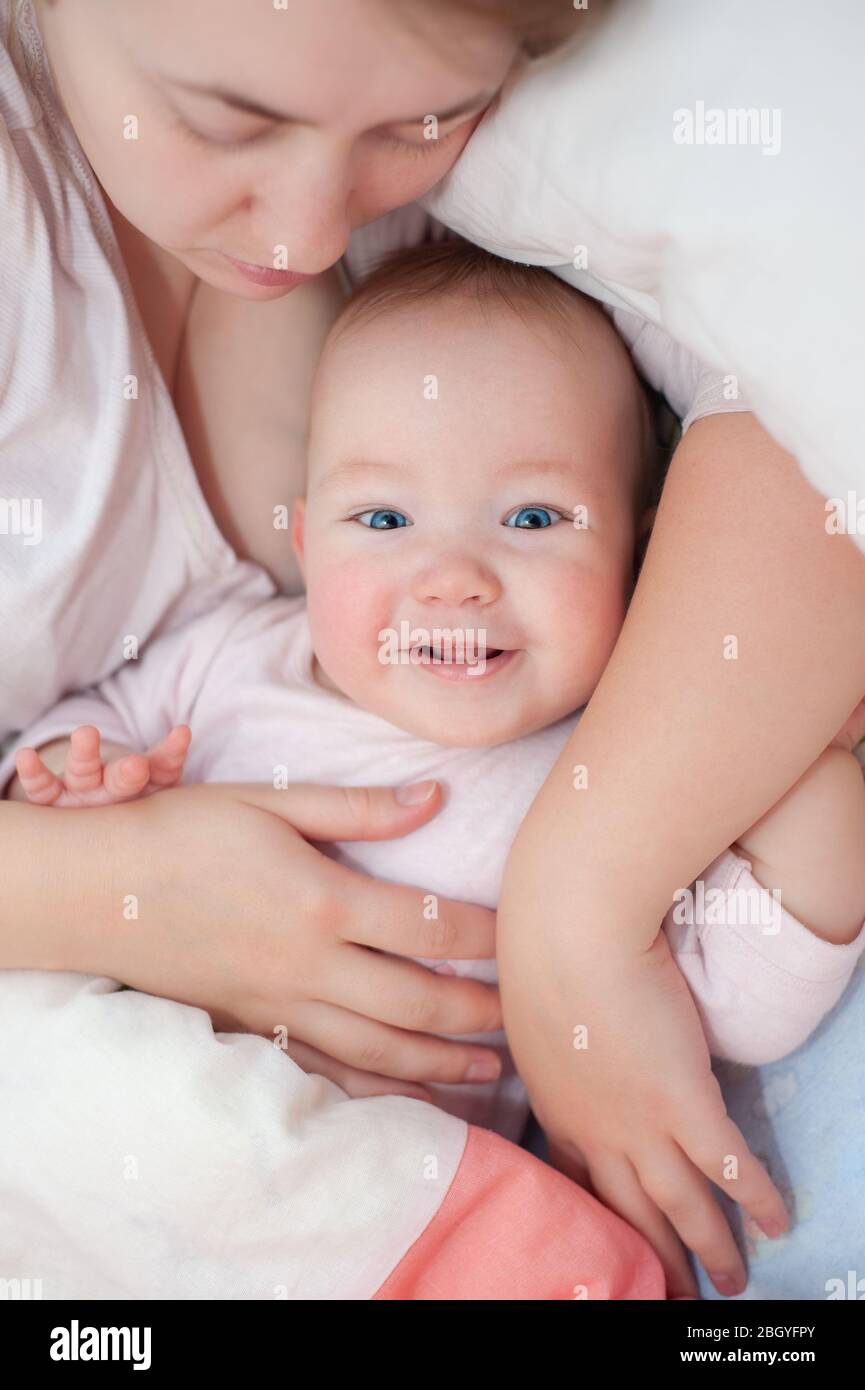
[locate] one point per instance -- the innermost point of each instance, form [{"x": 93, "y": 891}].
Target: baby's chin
[
  {"x": 481, "y": 736},
  {"x": 467, "y": 728},
  {"x": 462, "y": 717}
]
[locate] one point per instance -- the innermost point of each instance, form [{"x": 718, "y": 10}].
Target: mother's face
[{"x": 241, "y": 127}]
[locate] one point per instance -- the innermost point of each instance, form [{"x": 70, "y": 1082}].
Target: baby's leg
[
  {"x": 762, "y": 981},
  {"x": 810, "y": 848}
]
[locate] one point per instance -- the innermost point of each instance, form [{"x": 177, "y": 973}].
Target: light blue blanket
[{"x": 804, "y": 1117}]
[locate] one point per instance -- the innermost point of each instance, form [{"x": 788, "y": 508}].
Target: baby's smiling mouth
[
  {"x": 424, "y": 655},
  {"x": 471, "y": 665}
]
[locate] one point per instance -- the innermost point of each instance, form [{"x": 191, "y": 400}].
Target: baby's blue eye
[
  {"x": 383, "y": 520},
  {"x": 533, "y": 518}
]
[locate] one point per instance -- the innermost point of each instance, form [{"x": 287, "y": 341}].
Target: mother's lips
[{"x": 266, "y": 275}]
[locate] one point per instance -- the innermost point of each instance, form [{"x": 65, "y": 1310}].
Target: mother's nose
[{"x": 304, "y": 206}]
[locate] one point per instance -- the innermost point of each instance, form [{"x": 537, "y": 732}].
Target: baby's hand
[{"x": 89, "y": 781}]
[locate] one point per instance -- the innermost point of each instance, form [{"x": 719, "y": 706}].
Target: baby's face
[{"x": 451, "y": 452}]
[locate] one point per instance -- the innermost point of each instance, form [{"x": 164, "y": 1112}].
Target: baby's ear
[{"x": 298, "y": 516}]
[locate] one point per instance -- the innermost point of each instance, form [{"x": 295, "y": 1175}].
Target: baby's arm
[
  {"x": 768, "y": 945},
  {"x": 81, "y": 771}
]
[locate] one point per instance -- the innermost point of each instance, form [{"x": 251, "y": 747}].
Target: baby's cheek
[
  {"x": 348, "y": 604},
  {"x": 586, "y": 621}
]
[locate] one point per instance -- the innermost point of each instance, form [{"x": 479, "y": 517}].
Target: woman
[
  {"x": 152, "y": 126},
  {"x": 140, "y": 549}
]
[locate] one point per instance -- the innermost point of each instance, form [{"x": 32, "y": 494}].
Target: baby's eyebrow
[
  {"x": 517, "y": 468},
  {"x": 349, "y": 469}
]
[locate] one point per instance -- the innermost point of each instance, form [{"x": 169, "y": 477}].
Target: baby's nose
[{"x": 455, "y": 580}]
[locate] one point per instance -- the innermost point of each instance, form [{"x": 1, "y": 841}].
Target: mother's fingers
[
  {"x": 724, "y": 1156},
  {"x": 344, "y": 813},
  {"x": 615, "y": 1182},
  {"x": 357, "y": 1084},
  {"x": 411, "y": 922},
  {"x": 570, "y": 1161},
  {"x": 407, "y": 995},
  {"x": 369, "y": 1046},
  {"x": 685, "y": 1197}
]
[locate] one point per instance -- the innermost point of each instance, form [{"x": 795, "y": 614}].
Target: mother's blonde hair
[{"x": 539, "y": 26}]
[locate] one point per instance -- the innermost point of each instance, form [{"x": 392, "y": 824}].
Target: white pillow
[{"x": 749, "y": 254}]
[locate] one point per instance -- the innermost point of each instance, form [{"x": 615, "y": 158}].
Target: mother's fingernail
[
  {"x": 486, "y": 1070},
  {"x": 772, "y": 1229},
  {"x": 726, "y": 1284},
  {"x": 413, "y": 794}
]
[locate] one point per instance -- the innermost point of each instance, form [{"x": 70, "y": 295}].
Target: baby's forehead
[
  {"x": 521, "y": 371},
  {"x": 524, "y": 309},
  {"x": 461, "y": 333}
]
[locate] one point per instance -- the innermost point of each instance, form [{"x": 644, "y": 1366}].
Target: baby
[{"x": 480, "y": 474}]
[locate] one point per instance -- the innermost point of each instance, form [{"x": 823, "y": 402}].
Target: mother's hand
[
  {"x": 611, "y": 1049},
  {"x": 212, "y": 895}
]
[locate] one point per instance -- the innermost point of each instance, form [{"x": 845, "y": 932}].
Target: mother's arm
[
  {"x": 212, "y": 896},
  {"x": 687, "y": 741}
]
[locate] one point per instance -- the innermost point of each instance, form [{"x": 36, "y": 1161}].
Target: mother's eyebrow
[{"x": 254, "y": 108}]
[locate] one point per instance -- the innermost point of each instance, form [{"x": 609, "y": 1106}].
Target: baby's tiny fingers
[
  {"x": 126, "y": 777},
  {"x": 83, "y": 770},
  {"x": 168, "y": 757},
  {"x": 40, "y": 784}
]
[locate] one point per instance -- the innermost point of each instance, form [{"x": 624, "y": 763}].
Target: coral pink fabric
[{"x": 512, "y": 1228}]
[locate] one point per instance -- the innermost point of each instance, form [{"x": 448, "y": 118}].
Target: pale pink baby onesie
[{"x": 242, "y": 679}]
